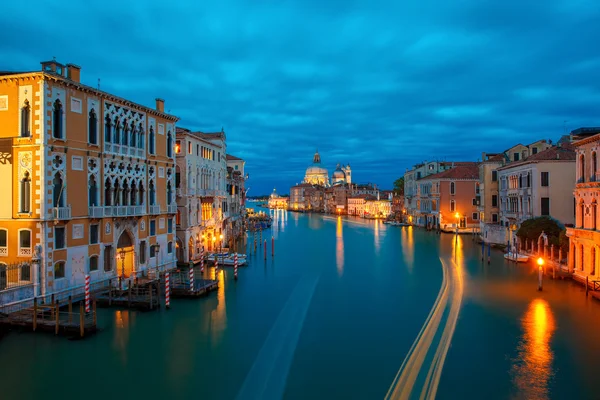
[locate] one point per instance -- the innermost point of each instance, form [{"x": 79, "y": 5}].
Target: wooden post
[
  {"x": 51, "y": 304},
  {"x": 35, "y": 307},
  {"x": 94, "y": 312},
  {"x": 560, "y": 256},
  {"x": 110, "y": 289},
  {"x": 586, "y": 285},
  {"x": 70, "y": 310},
  {"x": 150, "y": 289},
  {"x": 81, "y": 320},
  {"x": 57, "y": 319},
  {"x": 129, "y": 296}
]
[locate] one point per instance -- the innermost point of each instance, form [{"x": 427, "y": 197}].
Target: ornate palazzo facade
[{"x": 88, "y": 182}]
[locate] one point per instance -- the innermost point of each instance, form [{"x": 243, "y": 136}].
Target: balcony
[
  {"x": 154, "y": 209},
  {"x": 96, "y": 212},
  {"x": 61, "y": 213},
  {"x": 24, "y": 252},
  {"x": 172, "y": 209},
  {"x": 3, "y": 251}
]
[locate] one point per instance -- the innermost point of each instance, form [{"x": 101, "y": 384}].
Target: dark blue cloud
[{"x": 381, "y": 85}]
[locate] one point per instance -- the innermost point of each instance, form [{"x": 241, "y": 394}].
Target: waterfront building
[
  {"x": 236, "y": 197},
  {"x": 201, "y": 193},
  {"x": 299, "y": 197},
  {"x": 88, "y": 180},
  {"x": 357, "y": 204},
  {"x": 397, "y": 205},
  {"x": 539, "y": 185},
  {"x": 316, "y": 174},
  {"x": 584, "y": 236},
  {"x": 377, "y": 207},
  {"x": 278, "y": 202},
  {"x": 491, "y": 228},
  {"x": 449, "y": 198}
]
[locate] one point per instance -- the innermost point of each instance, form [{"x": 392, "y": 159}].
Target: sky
[{"x": 379, "y": 85}]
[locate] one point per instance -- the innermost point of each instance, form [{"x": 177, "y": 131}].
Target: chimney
[
  {"x": 160, "y": 105},
  {"x": 74, "y": 72}
]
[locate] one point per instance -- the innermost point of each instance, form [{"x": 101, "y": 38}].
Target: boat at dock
[{"x": 516, "y": 257}]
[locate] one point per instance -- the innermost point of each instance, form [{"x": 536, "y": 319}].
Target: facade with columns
[
  {"x": 88, "y": 180},
  {"x": 201, "y": 181},
  {"x": 584, "y": 237}
]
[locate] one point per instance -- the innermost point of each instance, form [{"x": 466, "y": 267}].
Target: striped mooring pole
[
  {"x": 216, "y": 267},
  {"x": 235, "y": 266},
  {"x": 191, "y": 278},
  {"x": 87, "y": 293},
  {"x": 167, "y": 290},
  {"x": 202, "y": 260}
]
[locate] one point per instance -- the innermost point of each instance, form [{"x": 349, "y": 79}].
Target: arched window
[
  {"x": 594, "y": 176},
  {"x": 25, "y": 203},
  {"x": 151, "y": 141},
  {"x": 93, "y": 192},
  {"x": 581, "y": 257},
  {"x": 3, "y": 242},
  {"x": 25, "y": 119},
  {"x": 92, "y": 127},
  {"x": 107, "y": 192},
  {"x": 151, "y": 194},
  {"x": 107, "y": 128},
  {"x": 125, "y": 194},
  {"x": 125, "y": 134},
  {"x": 452, "y": 206},
  {"x": 178, "y": 218},
  {"x": 59, "y": 270},
  {"x": 117, "y": 132},
  {"x": 58, "y": 193},
  {"x": 141, "y": 201},
  {"x": 133, "y": 194},
  {"x": 117, "y": 193},
  {"x": 57, "y": 122},
  {"x": 25, "y": 242},
  {"x": 133, "y": 135},
  {"x": 141, "y": 141},
  {"x": 169, "y": 193},
  {"x": 452, "y": 189},
  {"x": 581, "y": 168},
  {"x": 582, "y": 214},
  {"x": 169, "y": 145},
  {"x": 594, "y": 214}
]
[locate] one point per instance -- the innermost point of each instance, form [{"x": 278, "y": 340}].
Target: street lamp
[
  {"x": 156, "y": 253},
  {"x": 540, "y": 262},
  {"x": 221, "y": 245}
]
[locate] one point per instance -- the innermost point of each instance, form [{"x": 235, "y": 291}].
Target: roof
[
  {"x": 90, "y": 89},
  {"x": 208, "y": 137},
  {"x": 461, "y": 172},
  {"x": 565, "y": 152},
  {"x": 590, "y": 139},
  {"x": 496, "y": 158},
  {"x": 232, "y": 158}
]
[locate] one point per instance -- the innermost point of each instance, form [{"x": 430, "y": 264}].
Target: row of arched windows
[{"x": 582, "y": 169}]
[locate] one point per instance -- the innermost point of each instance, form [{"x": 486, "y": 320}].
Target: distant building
[
  {"x": 316, "y": 174},
  {"x": 584, "y": 237},
  {"x": 278, "y": 202},
  {"x": 448, "y": 199}
]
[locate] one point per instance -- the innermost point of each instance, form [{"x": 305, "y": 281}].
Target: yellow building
[
  {"x": 584, "y": 237},
  {"x": 278, "y": 202},
  {"x": 88, "y": 180}
]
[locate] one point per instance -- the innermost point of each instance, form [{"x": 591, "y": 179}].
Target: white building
[{"x": 201, "y": 176}]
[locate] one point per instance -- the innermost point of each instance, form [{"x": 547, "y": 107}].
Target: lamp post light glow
[{"x": 540, "y": 262}]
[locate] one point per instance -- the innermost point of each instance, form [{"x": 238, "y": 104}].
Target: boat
[
  {"x": 211, "y": 257},
  {"x": 516, "y": 257},
  {"x": 229, "y": 261}
]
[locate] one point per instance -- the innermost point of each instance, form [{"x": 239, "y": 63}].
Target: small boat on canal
[{"x": 516, "y": 257}]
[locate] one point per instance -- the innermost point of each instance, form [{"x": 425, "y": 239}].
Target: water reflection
[
  {"x": 339, "y": 246},
  {"x": 218, "y": 317},
  {"x": 121, "y": 338},
  {"x": 408, "y": 247},
  {"x": 532, "y": 370},
  {"x": 376, "y": 237}
]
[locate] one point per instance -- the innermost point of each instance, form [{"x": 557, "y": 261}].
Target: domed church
[{"x": 316, "y": 174}]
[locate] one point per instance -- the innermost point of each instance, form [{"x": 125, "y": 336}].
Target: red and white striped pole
[
  {"x": 191, "y": 278},
  {"x": 167, "y": 290},
  {"x": 202, "y": 260},
  {"x": 235, "y": 266},
  {"x": 216, "y": 267},
  {"x": 87, "y": 293}
]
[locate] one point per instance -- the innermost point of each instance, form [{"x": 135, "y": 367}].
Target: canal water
[{"x": 347, "y": 308}]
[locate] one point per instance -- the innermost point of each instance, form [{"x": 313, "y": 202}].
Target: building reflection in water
[
  {"x": 339, "y": 246},
  {"x": 532, "y": 369},
  {"x": 376, "y": 237},
  {"x": 218, "y": 316},
  {"x": 408, "y": 246},
  {"x": 122, "y": 328}
]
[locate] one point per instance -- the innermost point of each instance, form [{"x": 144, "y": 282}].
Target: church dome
[{"x": 338, "y": 174}]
